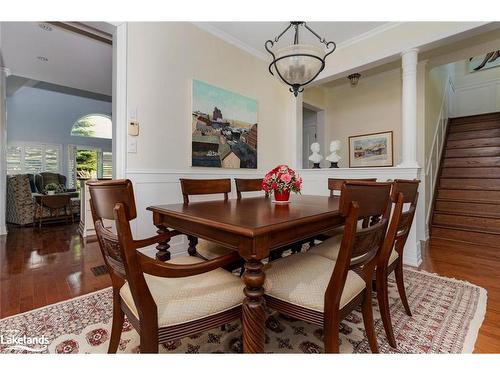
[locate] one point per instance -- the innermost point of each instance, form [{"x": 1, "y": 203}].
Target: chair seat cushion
[
  {"x": 302, "y": 280},
  {"x": 393, "y": 257},
  {"x": 329, "y": 248},
  {"x": 185, "y": 299},
  {"x": 210, "y": 250}
]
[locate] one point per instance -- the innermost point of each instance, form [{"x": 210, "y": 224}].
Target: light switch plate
[{"x": 132, "y": 145}]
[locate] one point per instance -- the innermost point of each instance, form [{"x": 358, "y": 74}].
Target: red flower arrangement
[{"x": 282, "y": 180}]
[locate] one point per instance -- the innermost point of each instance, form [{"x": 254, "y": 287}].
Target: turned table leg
[
  {"x": 193, "y": 241},
  {"x": 163, "y": 254},
  {"x": 254, "y": 315}
]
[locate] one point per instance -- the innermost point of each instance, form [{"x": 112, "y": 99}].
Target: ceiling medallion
[{"x": 298, "y": 64}]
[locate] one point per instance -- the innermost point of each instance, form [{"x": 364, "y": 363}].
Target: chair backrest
[
  {"x": 104, "y": 196},
  {"x": 44, "y": 178},
  {"x": 248, "y": 184},
  {"x": 335, "y": 184},
  {"x": 409, "y": 190},
  {"x": 359, "y": 247},
  {"x": 114, "y": 199},
  {"x": 403, "y": 191},
  {"x": 374, "y": 201},
  {"x": 206, "y": 186}
]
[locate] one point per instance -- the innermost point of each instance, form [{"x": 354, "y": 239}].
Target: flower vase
[{"x": 282, "y": 196}]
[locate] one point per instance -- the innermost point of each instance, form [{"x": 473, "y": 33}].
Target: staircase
[{"x": 467, "y": 201}]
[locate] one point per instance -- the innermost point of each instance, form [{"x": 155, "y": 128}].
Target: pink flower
[
  {"x": 286, "y": 178},
  {"x": 274, "y": 186}
]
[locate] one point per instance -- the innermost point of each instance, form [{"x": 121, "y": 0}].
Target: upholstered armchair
[
  {"x": 22, "y": 188},
  {"x": 44, "y": 178},
  {"x": 20, "y": 204}
]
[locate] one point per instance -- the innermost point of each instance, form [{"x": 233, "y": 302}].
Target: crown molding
[
  {"x": 231, "y": 40},
  {"x": 368, "y": 34},
  {"x": 262, "y": 56}
]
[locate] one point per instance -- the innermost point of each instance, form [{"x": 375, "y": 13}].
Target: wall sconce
[{"x": 354, "y": 78}]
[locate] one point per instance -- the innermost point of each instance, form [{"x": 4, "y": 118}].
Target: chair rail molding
[
  {"x": 161, "y": 186},
  {"x": 434, "y": 158}
]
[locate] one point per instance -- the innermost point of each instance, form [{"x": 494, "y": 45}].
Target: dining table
[{"x": 253, "y": 226}]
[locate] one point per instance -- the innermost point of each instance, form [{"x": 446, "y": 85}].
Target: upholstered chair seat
[
  {"x": 210, "y": 250},
  {"x": 185, "y": 299},
  {"x": 330, "y": 249},
  {"x": 302, "y": 280}
]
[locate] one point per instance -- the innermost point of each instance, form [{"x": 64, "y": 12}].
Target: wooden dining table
[{"x": 252, "y": 226}]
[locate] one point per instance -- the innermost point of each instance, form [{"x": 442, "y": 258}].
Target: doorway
[{"x": 313, "y": 130}]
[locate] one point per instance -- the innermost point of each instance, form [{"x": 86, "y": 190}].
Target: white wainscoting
[
  {"x": 477, "y": 98},
  {"x": 153, "y": 187}
]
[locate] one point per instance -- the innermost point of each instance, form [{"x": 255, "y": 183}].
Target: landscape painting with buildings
[{"x": 224, "y": 128}]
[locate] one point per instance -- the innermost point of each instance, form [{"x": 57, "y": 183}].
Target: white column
[
  {"x": 4, "y": 72},
  {"x": 409, "y": 109}
]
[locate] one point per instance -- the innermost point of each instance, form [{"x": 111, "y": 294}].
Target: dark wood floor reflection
[{"x": 40, "y": 268}]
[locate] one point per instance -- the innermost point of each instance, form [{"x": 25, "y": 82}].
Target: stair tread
[
  {"x": 473, "y": 201},
  {"x": 464, "y": 236},
  {"x": 469, "y": 214},
  {"x": 466, "y": 228}
]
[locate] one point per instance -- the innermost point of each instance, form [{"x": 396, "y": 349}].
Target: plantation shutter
[
  {"x": 33, "y": 159},
  {"x": 14, "y": 160},
  {"x": 71, "y": 179},
  {"x": 107, "y": 165},
  {"x": 51, "y": 159}
]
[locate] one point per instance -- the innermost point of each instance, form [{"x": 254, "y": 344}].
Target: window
[
  {"x": 88, "y": 162},
  {"x": 107, "y": 165},
  {"x": 94, "y": 126},
  {"x": 33, "y": 158}
]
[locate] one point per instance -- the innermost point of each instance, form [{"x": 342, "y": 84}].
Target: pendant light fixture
[{"x": 298, "y": 64}]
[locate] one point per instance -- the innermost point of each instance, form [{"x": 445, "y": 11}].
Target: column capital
[
  {"x": 5, "y": 71},
  {"x": 409, "y": 51}
]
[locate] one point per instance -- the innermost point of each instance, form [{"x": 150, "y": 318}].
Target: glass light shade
[{"x": 298, "y": 70}]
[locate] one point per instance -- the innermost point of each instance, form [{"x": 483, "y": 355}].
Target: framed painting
[
  {"x": 371, "y": 150},
  {"x": 487, "y": 61},
  {"x": 224, "y": 128}
]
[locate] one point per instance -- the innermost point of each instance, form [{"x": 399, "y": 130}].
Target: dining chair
[
  {"x": 335, "y": 187},
  {"x": 391, "y": 257},
  {"x": 322, "y": 291},
  {"x": 335, "y": 184},
  {"x": 203, "y": 248},
  {"x": 248, "y": 185},
  {"x": 163, "y": 301}
]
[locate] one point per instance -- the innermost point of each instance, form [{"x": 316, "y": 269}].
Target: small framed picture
[{"x": 371, "y": 150}]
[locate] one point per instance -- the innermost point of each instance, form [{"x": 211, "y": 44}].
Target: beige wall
[
  {"x": 163, "y": 58},
  {"x": 463, "y": 77},
  {"x": 436, "y": 80},
  {"x": 374, "y": 105}
]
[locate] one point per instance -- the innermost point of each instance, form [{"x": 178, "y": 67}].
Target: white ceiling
[
  {"x": 74, "y": 60},
  {"x": 251, "y": 36}
]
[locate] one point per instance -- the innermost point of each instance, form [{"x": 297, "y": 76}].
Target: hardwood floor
[
  {"x": 43, "y": 268},
  {"x": 479, "y": 265},
  {"x": 38, "y": 268}
]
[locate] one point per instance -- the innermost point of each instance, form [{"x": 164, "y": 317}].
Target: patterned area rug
[{"x": 447, "y": 315}]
